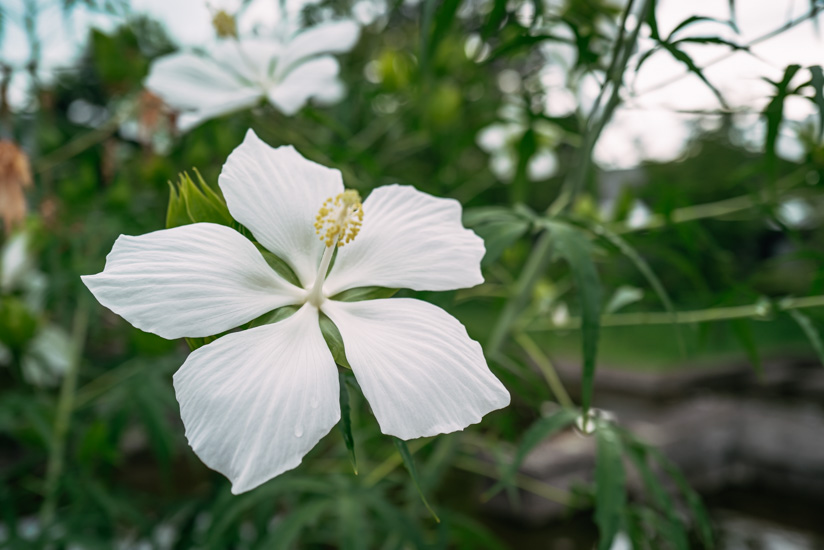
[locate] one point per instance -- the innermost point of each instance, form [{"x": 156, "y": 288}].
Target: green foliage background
[{"x": 102, "y": 457}]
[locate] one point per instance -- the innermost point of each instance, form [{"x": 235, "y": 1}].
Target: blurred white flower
[
  {"x": 255, "y": 402},
  {"x": 502, "y": 141},
  {"x": 234, "y": 74},
  {"x": 47, "y": 356}
]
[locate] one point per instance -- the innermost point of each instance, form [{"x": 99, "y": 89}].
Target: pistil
[
  {"x": 338, "y": 222},
  {"x": 315, "y": 296}
]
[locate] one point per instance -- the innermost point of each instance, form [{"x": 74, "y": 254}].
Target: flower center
[
  {"x": 339, "y": 219},
  {"x": 338, "y": 222}
]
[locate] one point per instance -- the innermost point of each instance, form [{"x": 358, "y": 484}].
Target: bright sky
[{"x": 646, "y": 127}]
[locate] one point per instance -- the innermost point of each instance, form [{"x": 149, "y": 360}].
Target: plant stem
[
  {"x": 387, "y": 466},
  {"x": 530, "y": 484},
  {"x": 543, "y": 363},
  {"x": 540, "y": 256},
  {"x": 65, "y": 406},
  {"x": 713, "y": 209},
  {"x": 759, "y": 310},
  {"x": 814, "y": 11}
]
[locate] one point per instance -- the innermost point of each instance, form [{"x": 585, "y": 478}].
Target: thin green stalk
[
  {"x": 535, "y": 265},
  {"x": 65, "y": 406},
  {"x": 545, "y": 365},
  {"x": 815, "y": 9},
  {"x": 540, "y": 256},
  {"x": 758, "y": 310},
  {"x": 598, "y": 120},
  {"x": 530, "y": 484},
  {"x": 393, "y": 461},
  {"x": 713, "y": 209}
]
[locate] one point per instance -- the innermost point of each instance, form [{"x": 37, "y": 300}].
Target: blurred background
[{"x": 646, "y": 176}]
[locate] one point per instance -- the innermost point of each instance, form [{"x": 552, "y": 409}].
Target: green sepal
[
  {"x": 280, "y": 266},
  {"x": 191, "y": 202},
  {"x": 345, "y": 424},
  {"x": 273, "y": 316},
  {"x": 364, "y": 293},
  {"x": 334, "y": 340},
  {"x": 195, "y": 343}
]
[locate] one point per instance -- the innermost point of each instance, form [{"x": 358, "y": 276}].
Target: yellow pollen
[{"x": 340, "y": 218}]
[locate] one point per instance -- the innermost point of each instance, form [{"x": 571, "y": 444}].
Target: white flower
[
  {"x": 254, "y": 402},
  {"x": 47, "y": 355},
  {"x": 231, "y": 74}
]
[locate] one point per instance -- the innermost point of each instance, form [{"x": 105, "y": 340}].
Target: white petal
[
  {"x": 199, "y": 87},
  {"x": 250, "y": 59},
  {"x": 411, "y": 240},
  {"x": 15, "y": 261},
  {"x": 416, "y": 365},
  {"x": 254, "y": 402},
  {"x": 195, "y": 280},
  {"x": 333, "y": 37},
  {"x": 317, "y": 78},
  {"x": 277, "y": 193}
]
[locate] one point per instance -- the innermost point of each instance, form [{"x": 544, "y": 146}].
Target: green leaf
[
  {"x": 280, "y": 266},
  {"x": 644, "y": 268},
  {"x": 610, "y": 492},
  {"x": 716, "y": 40},
  {"x": 696, "y": 19},
  {"x": 286, "y": 533},
  {"x": 810, "y": 331},
  {"x": 345, "y": 424},
  {"x": 334, "y": 340},
  {"x": 817, "y": 82},
  {"x": 743, "y": 331},
  {"x": 498, "y": 236},
  {"x": 364, "y": 293},
  {"x": 195, "y": 343},
  {"x": 444, "y": 16},
  {"x": 774, "y": 113},
  {"x": 409, "y": 462},
  {"x": 572, "y": 245},
  {"x": 638, "y": 455},
  {"x": 693, "y": 500},
  {"x": 685, "y": 58},
  {"x": 539, "y": 431}
]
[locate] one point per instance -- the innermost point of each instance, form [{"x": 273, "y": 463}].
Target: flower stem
[
  {"x": 543, "y": 363},
  {"x": 65, "y": 406}
]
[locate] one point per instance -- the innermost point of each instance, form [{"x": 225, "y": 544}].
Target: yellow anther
[
  {"x": 224, "y": 25},
  {"x": 340, "y": 218}
]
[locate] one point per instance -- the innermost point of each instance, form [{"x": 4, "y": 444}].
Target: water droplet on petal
[{"x": 298, "y": 431}]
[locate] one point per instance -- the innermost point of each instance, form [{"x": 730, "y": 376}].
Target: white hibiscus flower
[
  {"x": 255, "y": 402},
  {"x": 234, "y": 74}
]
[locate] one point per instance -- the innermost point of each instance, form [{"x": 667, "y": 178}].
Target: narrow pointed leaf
[
  {"x": 573, "y": 246},
  {"x": 810, "y": 331},
  {"x": 638, "y": 455},
  {"x": 817, "y": 82},
  {"x": 409, "y": 462},
  {"x": 539, "y": 431},
  {"x": 610, "y": 491},
  {"x": 644, "y": 268},
  {"x": 345, "y": 424}
]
